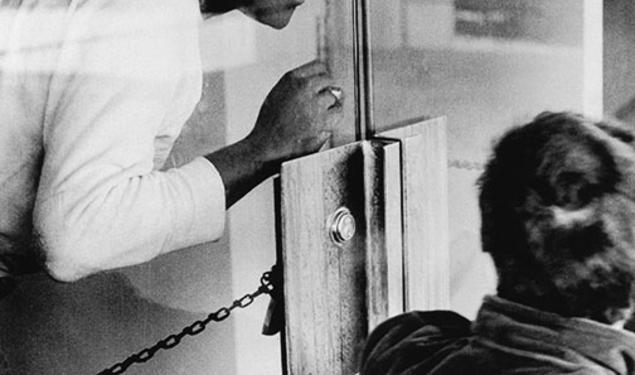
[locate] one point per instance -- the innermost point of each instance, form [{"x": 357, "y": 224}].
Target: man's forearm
[{"x": 240, "y": 170}]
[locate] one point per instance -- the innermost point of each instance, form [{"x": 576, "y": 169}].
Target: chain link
[{"x": 266, "y": 287}]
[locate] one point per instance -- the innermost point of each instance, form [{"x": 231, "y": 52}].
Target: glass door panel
[{"x": 486, "y": 65}]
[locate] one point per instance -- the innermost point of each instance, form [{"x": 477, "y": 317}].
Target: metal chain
[{"x": 266, "y": 287}]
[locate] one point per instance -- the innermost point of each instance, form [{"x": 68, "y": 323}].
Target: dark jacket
[{"x": 506, "y": 338}]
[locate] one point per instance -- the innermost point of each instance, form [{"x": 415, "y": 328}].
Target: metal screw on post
[{"x": 343, "y": 227}]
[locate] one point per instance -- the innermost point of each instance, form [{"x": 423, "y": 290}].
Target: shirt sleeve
[{"x": 100, "y": 205}]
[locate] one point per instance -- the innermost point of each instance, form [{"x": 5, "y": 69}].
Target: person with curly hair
[{"x": 557, "y": 202}]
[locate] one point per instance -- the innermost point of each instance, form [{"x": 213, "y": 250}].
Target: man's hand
[
  {"x": 295, "y": 115},
  {"x": 292, "y": 122}
]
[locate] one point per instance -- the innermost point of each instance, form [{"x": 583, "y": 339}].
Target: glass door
[
  {"x": 487, "y": 65},
  {"x": 242, "y": 62}
]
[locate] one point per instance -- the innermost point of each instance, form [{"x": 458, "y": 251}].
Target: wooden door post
[{"x": 352, "y": 220}]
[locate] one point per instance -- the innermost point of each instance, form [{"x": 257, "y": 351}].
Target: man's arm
[
  {"x": 100, "y": 205},
  {"x": 121, "y": 77}
]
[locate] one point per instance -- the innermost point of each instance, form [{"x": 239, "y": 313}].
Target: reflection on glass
[
  {"x": 486, "y": 65},
  {"x": 540, "y": 21}
]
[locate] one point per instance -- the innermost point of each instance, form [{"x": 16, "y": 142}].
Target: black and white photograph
[{"x": 317, "y": 187}]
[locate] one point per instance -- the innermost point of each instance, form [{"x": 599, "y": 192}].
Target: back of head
[{"x": 558, "y": 216}]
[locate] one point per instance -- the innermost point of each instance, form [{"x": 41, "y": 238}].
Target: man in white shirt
[{"x": 93, "y": 94}]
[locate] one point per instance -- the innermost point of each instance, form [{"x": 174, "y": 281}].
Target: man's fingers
[
  {"x": 324, "y": 140},
  {"x": 320, "y": 82},
  {"x": 310, "y": 69},
  {"x": 320, "y": 142},
  {"x": 331, "y": 97}
]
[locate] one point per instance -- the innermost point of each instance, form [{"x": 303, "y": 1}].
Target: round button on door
[{"x": 343, "y": 227}]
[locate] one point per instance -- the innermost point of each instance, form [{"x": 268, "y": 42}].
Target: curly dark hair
[{"x": 557, "y": 202}]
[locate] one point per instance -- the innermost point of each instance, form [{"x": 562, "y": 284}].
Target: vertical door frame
[{"x": 363, "y": 70}]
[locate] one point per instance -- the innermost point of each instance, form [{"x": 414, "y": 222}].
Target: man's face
[{"x": 274, "y": 13}]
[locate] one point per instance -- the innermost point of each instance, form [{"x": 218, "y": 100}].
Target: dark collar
[{"x": 523, "y": 327}]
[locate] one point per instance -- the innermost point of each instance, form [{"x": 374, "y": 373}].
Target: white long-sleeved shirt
[{"x": 93, "y": 94}]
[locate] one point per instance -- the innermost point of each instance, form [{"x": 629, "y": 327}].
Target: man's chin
[
  {"x": 218, "y": 6},
  {"x": 278, "y": 25},
  {"x": 277, "y": 20}
]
